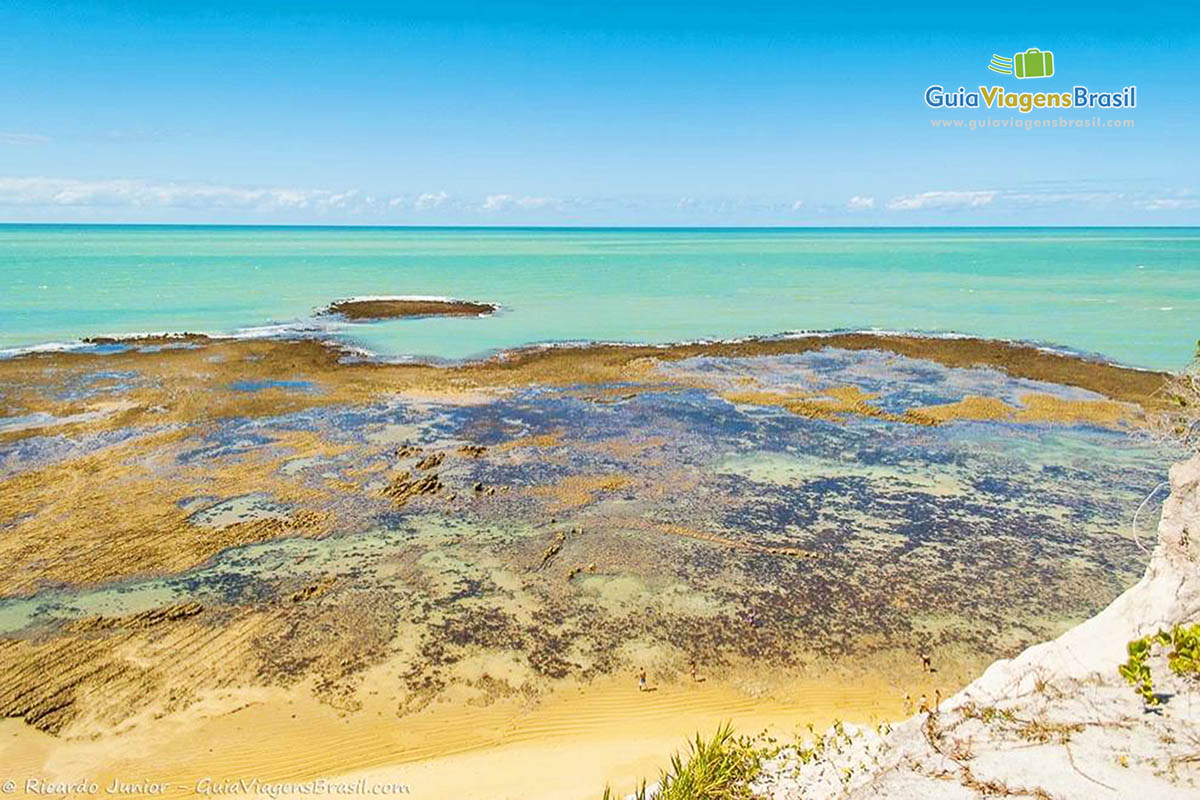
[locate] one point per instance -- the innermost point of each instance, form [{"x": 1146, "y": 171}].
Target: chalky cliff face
[{"x": 221, "y": 514}]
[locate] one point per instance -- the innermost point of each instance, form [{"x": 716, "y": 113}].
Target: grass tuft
[{"x": 719, "y": 768}]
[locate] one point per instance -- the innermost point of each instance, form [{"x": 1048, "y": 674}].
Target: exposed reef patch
[
  {"x": 371, "y": 309},
  {"x": 573, "y": 512}
]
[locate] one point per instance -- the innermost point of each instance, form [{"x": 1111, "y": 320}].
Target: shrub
[{"x": 1183, "y": 659}]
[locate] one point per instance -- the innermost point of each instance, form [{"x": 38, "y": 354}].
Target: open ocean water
[{"x": 1130, "y": 294}]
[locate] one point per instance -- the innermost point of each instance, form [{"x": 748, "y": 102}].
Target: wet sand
[{"x": 567, "y": 746}]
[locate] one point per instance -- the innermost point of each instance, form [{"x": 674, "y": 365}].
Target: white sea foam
[
  {"x": 371, "y": 298},
  {"x": 45, "y": 347},
  {"x": 301, "y": 329}
]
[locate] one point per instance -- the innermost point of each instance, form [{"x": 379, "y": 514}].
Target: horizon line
[{"x": 352, "y": 226}]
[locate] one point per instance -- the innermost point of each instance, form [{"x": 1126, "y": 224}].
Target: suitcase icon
[{"x": 1033, "y": 63}]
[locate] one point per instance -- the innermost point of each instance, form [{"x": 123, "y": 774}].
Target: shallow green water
[{"x": 1130, "y": 294}]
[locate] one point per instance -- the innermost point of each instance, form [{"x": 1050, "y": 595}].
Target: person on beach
[
  {"x": 642, "y": 681},
  {"x": 926, "y": 664},
  {"x": 924, "y": 705}
]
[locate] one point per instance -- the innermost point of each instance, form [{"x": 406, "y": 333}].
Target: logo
[{"x": 1033, "y": 63}]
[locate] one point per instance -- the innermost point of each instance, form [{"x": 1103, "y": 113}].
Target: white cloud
[
  {"x": 506, "y": 202},
  {"x": 1170, "y": 202},
  {"x": 428, "y": 200},
  {"x": 1062, "y": 198},
  {"x": 497, "y": 202},
  {"x": 686, "y": 202},
  {"x": 978, "y": 198},
  {"x": 126, "y": 192},
  {"x": 18, "y": 138},
  {"x": 860, "y": 203},
  {"x": 943, "y": 200},
  {"x": 796, "y": 206}
]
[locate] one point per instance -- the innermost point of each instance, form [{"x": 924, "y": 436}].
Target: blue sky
[{"x": 621, "y": 113}]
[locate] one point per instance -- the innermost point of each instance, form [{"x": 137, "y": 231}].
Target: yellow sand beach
[{"x": 567, "y": 746}]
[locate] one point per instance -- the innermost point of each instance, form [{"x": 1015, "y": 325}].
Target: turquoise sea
[{"x": 1130, "y": 294}]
